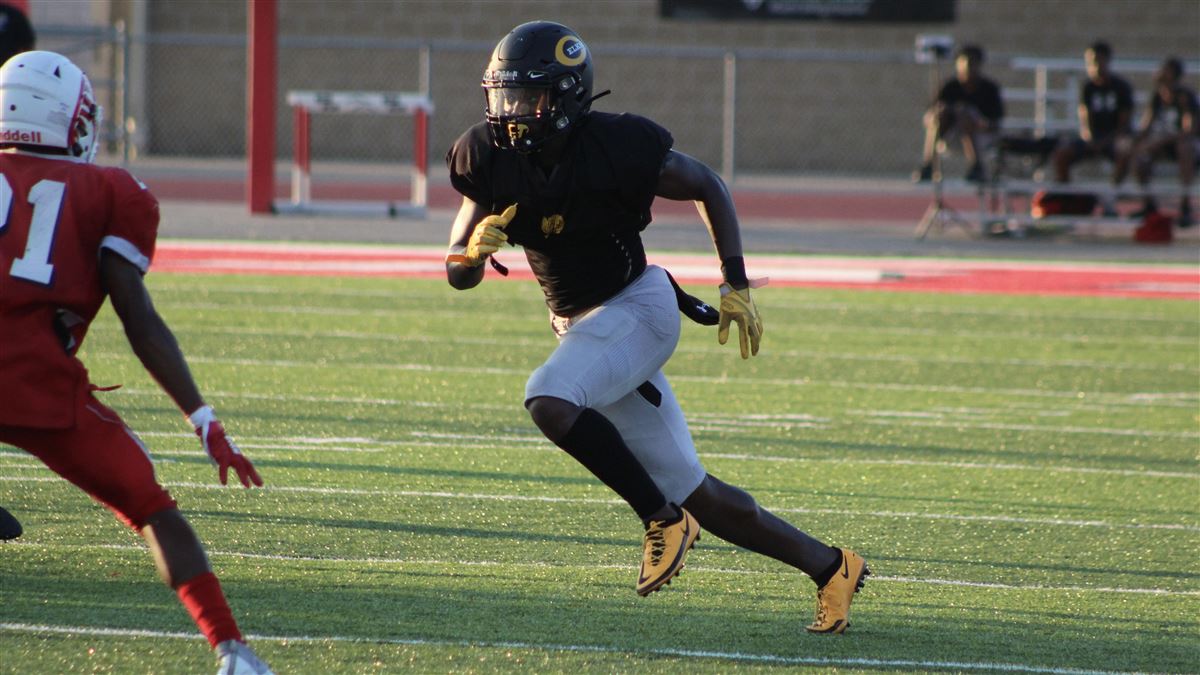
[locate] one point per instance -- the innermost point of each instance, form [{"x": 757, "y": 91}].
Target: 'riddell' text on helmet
[
  {"x": 47, "y": 101},
  {"x": 537, "y": 85}
]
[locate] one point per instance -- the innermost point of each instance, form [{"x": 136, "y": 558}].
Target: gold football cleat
[
  {"x": 833, "y": 599},
  {"x": 664, "y": 549}
]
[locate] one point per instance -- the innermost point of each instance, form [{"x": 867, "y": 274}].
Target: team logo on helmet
[{"x": 570, "y": 51}]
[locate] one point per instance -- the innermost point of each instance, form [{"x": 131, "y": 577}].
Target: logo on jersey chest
[{"x": 552, "y": 224}]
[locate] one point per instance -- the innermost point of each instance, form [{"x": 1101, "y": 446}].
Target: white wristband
[{"x": 202, "y": 417}]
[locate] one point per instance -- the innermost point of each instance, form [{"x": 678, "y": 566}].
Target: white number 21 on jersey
[{"x": 46, "y": 197}]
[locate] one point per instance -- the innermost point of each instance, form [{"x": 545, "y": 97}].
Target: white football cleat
[{"x": 235, "y": 658}]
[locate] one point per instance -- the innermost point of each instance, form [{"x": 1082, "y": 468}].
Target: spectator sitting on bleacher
[
  {"x": 1105, "y": 113},
  {"x": 1169, "y": 129},
  {"x": 968, "y": 106}
]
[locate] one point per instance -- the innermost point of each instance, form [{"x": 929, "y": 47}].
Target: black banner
[{"x": 881, "y": 11}]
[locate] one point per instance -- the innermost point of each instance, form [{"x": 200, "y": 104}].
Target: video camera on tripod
[{"x": 933, "y": 48}]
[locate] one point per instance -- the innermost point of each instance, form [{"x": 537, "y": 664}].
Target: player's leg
[
  {"x": 103, "y": 457},
  {"x": 649, "y": 420},
  {"x": 733, "y": 515},
  {"x": 601, "y": 357},
  {"x": 654, "y": 425},
  {"x": 593, "y": 442}
]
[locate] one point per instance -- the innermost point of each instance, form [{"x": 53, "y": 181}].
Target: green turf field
[{"x": 1020, "y": 473}]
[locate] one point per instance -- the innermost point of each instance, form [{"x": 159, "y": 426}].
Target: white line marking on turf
[
  {"x": 164, "y": 285},
  {"x": 504, "y": 644},
  {"x": 700, "y": 567},
  {"x": 824, "y": 329},
  {"x": 489, "y": 442},
  {"x": 723, "y": 380},
  {"x": 440, "y": 494},
  {"x": 810, "y": 355}
]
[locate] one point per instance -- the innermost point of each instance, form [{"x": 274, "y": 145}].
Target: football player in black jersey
[{"x": 574, "y": 188}]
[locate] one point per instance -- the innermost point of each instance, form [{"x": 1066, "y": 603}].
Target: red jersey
[{"x": 55, "y": 217}]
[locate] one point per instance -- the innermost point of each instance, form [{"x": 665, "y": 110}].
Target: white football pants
[{"x": 610, "y": 358}]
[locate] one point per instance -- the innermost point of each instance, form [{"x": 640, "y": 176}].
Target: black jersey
[
  {"x": 581, "y": 225},
  {"x": 1105, "y": 103},
  {"x": 1167, "y": 116},
  {"x": 984, "y": 95}
]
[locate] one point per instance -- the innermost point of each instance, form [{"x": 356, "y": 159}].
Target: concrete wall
[{"x": 844, "y": 114}]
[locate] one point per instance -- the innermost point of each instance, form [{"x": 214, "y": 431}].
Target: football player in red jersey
[
  {"x": 71, "y": 234},
  {"x": 574, "y": 188}
]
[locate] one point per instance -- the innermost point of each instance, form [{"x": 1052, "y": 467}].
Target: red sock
[{"x": 204, "y": 600}]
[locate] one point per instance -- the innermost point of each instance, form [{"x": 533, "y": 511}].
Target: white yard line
[
  {"x": 1146, "y": 398},
  {"x": 163, "y": 284},
  {"x": 1186, "y": 400},
  {"x": 478, "y": 496},
  {"x": 497, "y": 442},
  {"x": 823, "y": 328},
  {"x": 694, "y": 568},
  {"x": 591, "y": 649},
  {"x": 807, "y": 355}
]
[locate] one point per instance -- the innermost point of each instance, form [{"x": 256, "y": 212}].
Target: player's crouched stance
[
  {"x": 72, "y": 234},
  {"x": 574, "y": 188}
]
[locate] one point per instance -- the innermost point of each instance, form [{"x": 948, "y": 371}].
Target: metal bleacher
[{"x": 1017, "y": 174}]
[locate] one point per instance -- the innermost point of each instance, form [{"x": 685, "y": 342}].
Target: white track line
[
  {"x": 698, "y": 568},
  {"x": 587, "y": 649},
  {"x": 440, "y": 494}
]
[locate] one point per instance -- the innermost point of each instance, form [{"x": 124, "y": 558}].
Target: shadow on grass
[{"x": 597, "y": 611}]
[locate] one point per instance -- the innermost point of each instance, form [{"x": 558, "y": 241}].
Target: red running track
[
  {"x": 877, "y": 207},
  {"x": 887, "y": 274}
]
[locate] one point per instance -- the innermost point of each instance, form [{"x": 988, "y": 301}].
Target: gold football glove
[
  {"x": 737, "y": 307},
  {"x": 488, "y": 237}
]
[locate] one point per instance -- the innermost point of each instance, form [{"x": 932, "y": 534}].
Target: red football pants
[{"x": 102, "y": 457}]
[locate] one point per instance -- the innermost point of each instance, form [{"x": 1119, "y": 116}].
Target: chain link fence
[{"x": 744, "y": 111}]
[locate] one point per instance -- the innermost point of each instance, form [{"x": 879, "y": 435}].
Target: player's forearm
[
  {"x": 157, "y": 349},
  {"x": 720, "y": 217}
]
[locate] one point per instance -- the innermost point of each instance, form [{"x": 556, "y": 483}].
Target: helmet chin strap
[{"x": 587, "y": 104}]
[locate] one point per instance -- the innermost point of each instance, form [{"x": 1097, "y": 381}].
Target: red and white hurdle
[{"x": 306, "y": 103}]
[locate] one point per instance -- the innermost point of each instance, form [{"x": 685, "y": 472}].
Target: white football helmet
[{"x": 45, "y": 100}]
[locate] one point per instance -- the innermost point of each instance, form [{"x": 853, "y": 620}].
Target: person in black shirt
[
  {"x": 574, "y": 187},
  {"x": 1105, "y": 116},
  {"x": 1169, "y": 128},
  {"x": 969, "y": 107}
]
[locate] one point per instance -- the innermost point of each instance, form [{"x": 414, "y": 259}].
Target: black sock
[
  {"x": 596, "y": 444},
  {"x": 827, "y": 573}
]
